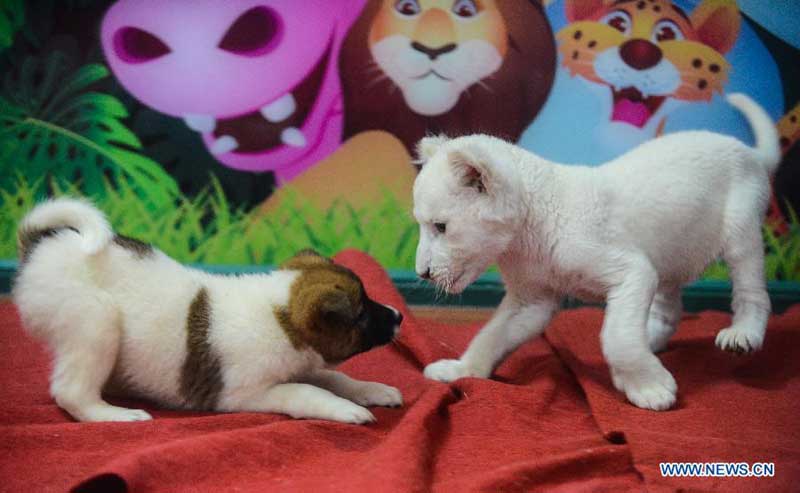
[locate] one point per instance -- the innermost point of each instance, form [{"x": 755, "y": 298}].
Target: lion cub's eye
[
  {"x": 440, "y": 227},
  {"x": 407, "y": 7},
  {"x": 465, "y": 8}
]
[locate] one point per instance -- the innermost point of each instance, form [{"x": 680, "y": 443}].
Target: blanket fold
[{"x": 548, "y": 420}]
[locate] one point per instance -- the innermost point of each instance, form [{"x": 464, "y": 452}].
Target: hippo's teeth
[
  {"x": 200, "y": 123},
  {"x": 280, "y": 109},
  {"x": 223, "y": 144},
  {"x": 292, "y": 136}
]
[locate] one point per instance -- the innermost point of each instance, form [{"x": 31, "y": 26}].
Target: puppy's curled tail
[
  {"x": 767, "y": 144},
  {"x": 76, "y": 214}
]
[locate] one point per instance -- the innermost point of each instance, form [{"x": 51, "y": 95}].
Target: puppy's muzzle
[{"x": 398, "y": 319}]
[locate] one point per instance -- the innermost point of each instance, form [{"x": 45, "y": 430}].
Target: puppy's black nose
[{"x": 426, "y": 274}]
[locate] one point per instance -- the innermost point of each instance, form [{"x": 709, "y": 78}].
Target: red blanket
[{"x": 549, "y": 420}]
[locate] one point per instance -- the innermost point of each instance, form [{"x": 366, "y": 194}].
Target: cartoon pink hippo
[{"x": 257, "y": 78}]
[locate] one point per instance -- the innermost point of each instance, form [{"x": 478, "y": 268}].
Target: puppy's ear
[
  {"x": 473, "y": 169},
  {"x": 335, "y": 305},
  {"x": 305, "y": 258},
  {"x": 427, "y": 147}
]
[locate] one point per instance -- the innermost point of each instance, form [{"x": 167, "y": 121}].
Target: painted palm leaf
[{"x": 55, "y": 127}]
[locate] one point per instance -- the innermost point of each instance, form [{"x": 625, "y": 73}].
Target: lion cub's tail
[
  {"x": 52, "y": 216},
  {"x": 767, "y": 145}
]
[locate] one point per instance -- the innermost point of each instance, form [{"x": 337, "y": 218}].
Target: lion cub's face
[{"x": 435, "y": 49}]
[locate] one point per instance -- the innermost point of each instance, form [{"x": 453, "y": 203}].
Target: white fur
[
  {"x": 632, "y": 232},
  {"x": 112, "y": 317}
]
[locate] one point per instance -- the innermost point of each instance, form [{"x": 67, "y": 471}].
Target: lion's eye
[
  {"x": 408, "y": 8},
  {"x": 440, "y": 227},
  {"x": 619, "y": 20},
  {"x": 465, "y": 8},
  {"x": 667, "y": 30}
]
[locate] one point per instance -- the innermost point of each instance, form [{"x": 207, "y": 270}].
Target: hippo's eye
[
  {"x": 408, "y": 8},
  {"x": 666, "y": 30},
  {"x": 465, "y": 8},
  {"x": 253, "y": 33},
  {"x": 619, "y": 20},
  {"x": 440, "y": 227},
  {"x": 135, "y": 45}
]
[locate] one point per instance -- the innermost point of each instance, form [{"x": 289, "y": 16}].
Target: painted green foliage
[
  {"x": 61, "y": 129},
  {"x": 12, "y": 18}
]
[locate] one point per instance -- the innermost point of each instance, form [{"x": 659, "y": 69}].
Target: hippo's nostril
[
  {"x": 253, "y": 33},
  {"x": 640, "y": 54},
  {"x": 134, "y": 45}
]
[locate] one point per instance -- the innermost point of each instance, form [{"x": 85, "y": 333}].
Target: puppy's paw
[
  {"x": 740, "y": 340},
  {"x": 348, "y": 412},
  {"x": 114, "y": 413},
  {"x": 377, "y": 394},
  {"x": 651, "y": 387},
  {"x": 448, "y": 370}
]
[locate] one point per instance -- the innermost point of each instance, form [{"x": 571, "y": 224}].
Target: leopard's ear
[
  {"x": 578, "y": 10},
  {"x": 717, "y": 23}
]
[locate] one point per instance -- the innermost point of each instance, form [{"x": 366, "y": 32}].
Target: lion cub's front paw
[
  {"x": 377, "y": 394},
  {"x": 448, "y": 370}
]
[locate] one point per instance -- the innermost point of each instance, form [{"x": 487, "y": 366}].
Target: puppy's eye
[{"x": 440, "y": 227}]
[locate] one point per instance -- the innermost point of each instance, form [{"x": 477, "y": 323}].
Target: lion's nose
[{"x": 433, "y": 53}]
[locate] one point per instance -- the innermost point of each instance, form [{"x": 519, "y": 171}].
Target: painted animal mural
[
  {"x": 257, "y": 79},
  {"x": 647, "y": 51},
  {"x": 412, "y": 67},
  {"x": 630, "y": 70}
]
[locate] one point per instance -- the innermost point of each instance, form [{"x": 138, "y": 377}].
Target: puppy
[
  {"x": 121, "y": 316},
  {"x": 632, "y": 232}
]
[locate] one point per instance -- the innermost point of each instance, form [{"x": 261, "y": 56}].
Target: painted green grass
[{"x": 207, "y": 229}]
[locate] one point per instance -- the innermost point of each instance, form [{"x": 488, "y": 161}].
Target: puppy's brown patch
[
  {"x": 201, "y": 378},
  {"x": 324, "y": 302},
  {"x": 139, "y": 248},
  {"x": 27, "y": 239}
]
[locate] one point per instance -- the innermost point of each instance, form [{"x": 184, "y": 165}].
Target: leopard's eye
[
  {"x": 619, "y": 20},
  {"x": 667, "y": 30}
]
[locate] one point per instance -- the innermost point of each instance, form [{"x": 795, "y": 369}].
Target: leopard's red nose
[{"x": 640, "y": 53}]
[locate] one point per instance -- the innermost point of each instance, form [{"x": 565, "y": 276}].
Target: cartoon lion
[{"x": 412, "y": 67}]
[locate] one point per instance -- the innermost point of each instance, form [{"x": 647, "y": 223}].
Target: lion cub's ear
[
  {"x": 305, "y": 258},
  {"x": 473, "y": 169},
  {"x": 427, "y": 147}
]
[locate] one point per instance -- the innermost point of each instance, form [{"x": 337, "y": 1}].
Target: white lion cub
[{"x": 632, "y": 232}]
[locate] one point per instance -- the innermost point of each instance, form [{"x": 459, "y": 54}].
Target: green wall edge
[{"x": 487, "y": 291}]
